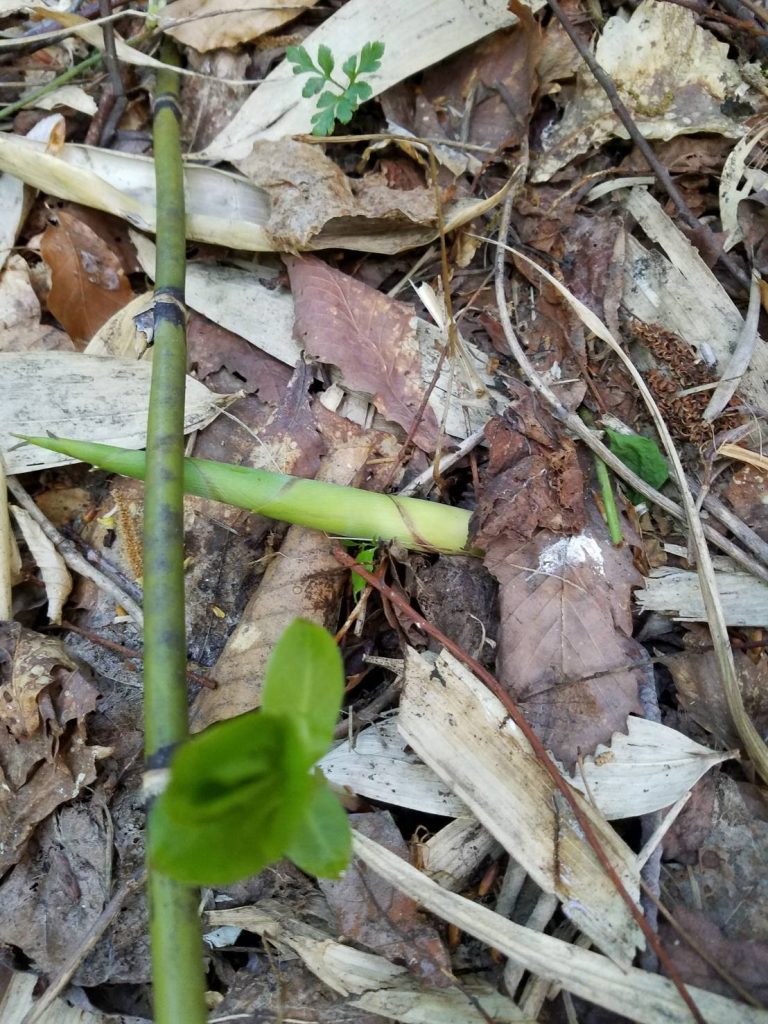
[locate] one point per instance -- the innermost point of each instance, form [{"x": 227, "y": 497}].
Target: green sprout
[
  {"x": 335, "y": 106},
  {"x": 244, "y": 792}
]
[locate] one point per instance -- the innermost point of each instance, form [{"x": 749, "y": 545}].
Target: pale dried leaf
[
  {"x": 128, "y": 332},
  {"x": 633, "y": 993},
  {"x": 13, "y": 209},
  {"x": 463, "y": 733},
  {"x": 377, "y": 984},
  {"x": 369, "y": 336},
  {"x": 222, "y": 208},
  {"x": 733, "y": 189},
  {"x": 227, "y": 23},
  {"x": 677, "y": 592},
  {"x": 72, "y": 96},
  {"x": 671, "y": 73},
  {"x": 73, "y": 395},
  {"x": 682, "y": 294},
  {"x": 647, "y": 769},
  {"x": 53, "y": 569},
  {"x": 377, "y": 765},
  {"x": 453, "y": 855}
]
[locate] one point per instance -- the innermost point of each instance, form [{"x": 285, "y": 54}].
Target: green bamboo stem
[
  {"x": 339, "y": 511},
  {"x": 177, "y": 964}
]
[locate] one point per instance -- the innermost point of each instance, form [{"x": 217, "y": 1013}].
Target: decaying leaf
[
  {"x": 374, "y": 914},
  {"x": 700, "y": 692},
  {"x": 88, "y": 283},
  {"x": 373, "y": 982},
  {"x": 671, "y": 73},
  {"x": 533, "y": 478},
  {"x": 73, "y": 395},
  {"x": 314, "y": 205},
  {"x": 461, "y": 730},
  {"x": 237, "y": 300},
  {"x": 649, "y": 767},
  {"x": 370, "y": 337},
  {"x": 43, "y": 746},
  {"x": 56, "y": 577},
  {"x": 565, "y": 633},
  {"x": 227, "y": 23}
]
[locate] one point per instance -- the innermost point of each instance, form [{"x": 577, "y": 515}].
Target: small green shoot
[
  {"x": 243, "y": 792},
  {"x": 642, "y": 455},
  {"x": 366, "y": 556},
  {"x": 335, "y": 106}
]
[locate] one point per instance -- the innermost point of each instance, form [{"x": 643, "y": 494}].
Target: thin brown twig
[
  {"x": 542, "y": 756},
  {"x": 119, "y": 100},
  {"x": 623, "y": 114}
]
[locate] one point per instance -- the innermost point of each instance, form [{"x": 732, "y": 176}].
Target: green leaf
[
  {"x": 370, "y": 57},
  {"x": 299, "y": 57},
  {"x": 365, "y": 556},
  {"x": 325, "y": 60},
  {"x": 323, "y": 121},
  {"x": 327, "y": 99},
  {"x": 304, "y": 682},
  {"x": 312, "y": 86},
  {"x": 345, "y": 108},
  {"x": 322, "y": 844},
  {"x": 358, "y": 93},
  {"x": 641, "y": 454},
  {"x": 349, "y": 66},
  {"x": 236, "y": 797}
]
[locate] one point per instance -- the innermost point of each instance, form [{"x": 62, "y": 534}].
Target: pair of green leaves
[
  {"x": 243, "y": 793},
  {"x": 335, "y": 106}
]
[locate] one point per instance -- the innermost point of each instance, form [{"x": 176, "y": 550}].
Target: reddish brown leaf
[
  {"x": 563, "y": 600},
  {"x": 533, "y": 477},
  {"x": 370, "y": 337},
  {"x": 369, "y": 911},
  {"x": 88, "y": 284}
]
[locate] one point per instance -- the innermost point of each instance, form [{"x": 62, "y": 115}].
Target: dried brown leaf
[
  {"x": 44, "y": 757},
  {"x": 313, "y": 201},
  {"x": 564, "y": 610},
  {"x": 370, "y": 337},
  {"x": 533, "y": 479},
  {"x": 700, "y": 691},
  {"x": 88, "y": 283},
  {"x": 371, "y": 912}
]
